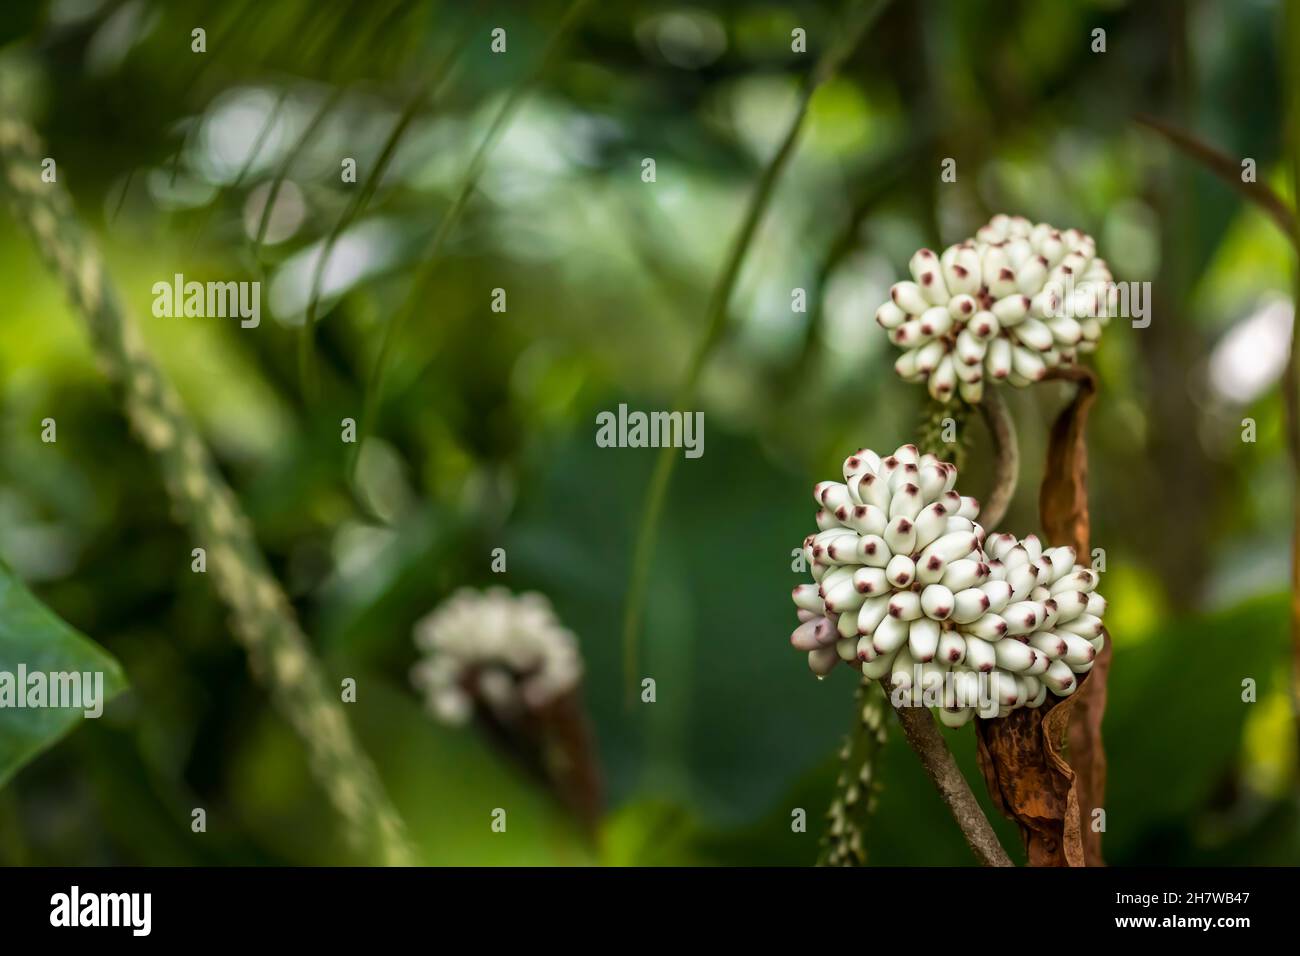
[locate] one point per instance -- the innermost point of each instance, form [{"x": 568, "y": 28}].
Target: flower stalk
[
  {"x": 854, "y": 800},
  {"x": 923, "y": 735},
  {"x": 263, "y": 620}
]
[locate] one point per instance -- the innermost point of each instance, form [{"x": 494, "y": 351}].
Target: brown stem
[
  {"x": 923, "y": 735},
  {"x": 1228, "y": 169},
  {"x": 1006, "y": 458},
  {"x": 1291, "y": 377},
  {"x": 552, "y": 743}
]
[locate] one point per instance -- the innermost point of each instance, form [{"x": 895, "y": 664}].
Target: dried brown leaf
[{"x": 1021, "y": 756}]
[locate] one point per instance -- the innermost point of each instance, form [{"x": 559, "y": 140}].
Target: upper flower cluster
[
  {"x": 1007, "y": 305},
  {"x": 508, "y": 651},
  {"x": 910, "y": 591}
]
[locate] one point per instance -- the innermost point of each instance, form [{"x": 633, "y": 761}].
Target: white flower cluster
[
  {"x": 909, "y": 591},
  {"x": 508, "y": 651},
  {"x": 1008, "y": 305}
]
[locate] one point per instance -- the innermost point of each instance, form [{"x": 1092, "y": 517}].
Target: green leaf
[{"x": 33, "y": 636}]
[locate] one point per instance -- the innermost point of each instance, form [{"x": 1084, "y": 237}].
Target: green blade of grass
[
  {"x": 469, "y": 181},
  {"x": 716, "y": 318},
  {"x": 425, "y": 93}
]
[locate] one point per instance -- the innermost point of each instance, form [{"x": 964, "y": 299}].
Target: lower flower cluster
[
  {"x": 910, "y": 591},
  {"x": 506, "y": 652}
]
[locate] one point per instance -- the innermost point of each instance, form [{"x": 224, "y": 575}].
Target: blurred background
[{"x": 482, "y": 434}]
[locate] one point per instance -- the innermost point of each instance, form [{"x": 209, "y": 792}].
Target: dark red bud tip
[
  {"x": 941, "y": 611},
  {"x": 1006, "y": 275},
  {"x": 927, "y": 329},
  {"x": 1002, "y": 627},
  {"x": 967, "y": 307},
  {"x": 960, "y": 271},
  {"x": 901, "y": 579},
  {"x": 904, "y": 526},
  {"x": 854, "y": 462},
  {"x": 984, "y": 601},
  {"x": 927, "y": 278},
  {"x": 934, "y": 563},
  {"x": 1043, "y": 260},
  {"x": 954, "y": 654}
]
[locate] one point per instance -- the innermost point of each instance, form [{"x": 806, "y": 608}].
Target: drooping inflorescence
[
  {"x": 1006, "y": 306},
  {"x": 909, "y": 590},
  {"x": 507, "y": 651}
]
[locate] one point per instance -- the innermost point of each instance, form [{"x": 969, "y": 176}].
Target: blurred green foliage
[{"x": 484, "y": 436}]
